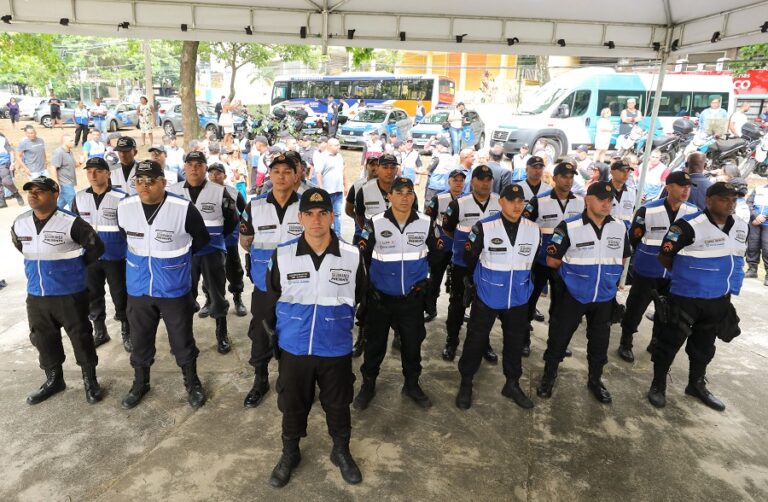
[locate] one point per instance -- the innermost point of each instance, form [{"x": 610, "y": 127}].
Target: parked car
[
  {"x": 28, "y": 105},
  {"x": 122, "y": 116},
  {"x": 43, "y": 113},
  {"x": 432, "y": 125},
  {"x": 380, "y": 119},
  {"x": 207, "y": 115}
]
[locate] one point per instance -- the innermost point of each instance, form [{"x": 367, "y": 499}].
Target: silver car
[
  {"x": 121, "y": 116},
  {"x": 43, "y": 113},
  {"x": 172, "y": 119},
  {"x": 380, "y": 119}
]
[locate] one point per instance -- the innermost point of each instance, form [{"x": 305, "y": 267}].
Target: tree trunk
[
  {"x": 232, "y": 82},
  {"x": 189, "y": 119}
]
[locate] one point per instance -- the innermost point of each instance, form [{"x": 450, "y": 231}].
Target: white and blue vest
[
  {"x": 316, "y": 309},
  {"x": 761, "y": 202},
  {"x": 550, "y": 215},
  {"x": 104, "y": 220},
  {"x": 159, "y": 259},
  {"x": 399, "y": 257},
  {"x": 438, "y": 180},
  {"x": 117, "y": 178},
  {"x": 646, "y": 261},
  {"x": 469, "y": 214},
  {"x": 234, "y": 238},
  {"x": 373, "y": 200},
  {"x": 624, "y": 209},
  {"x": 443, "y": 199},
  {"x": 503, "y": 274},
  {"x": 268, "y": 233},
  {"x": 592, "y": 267},
  {"x": 356, "y": 187},
  {"x": 209, "y": 204},
  {"x": 713, "y": 265},
  {"x": 53, "y": 262}
]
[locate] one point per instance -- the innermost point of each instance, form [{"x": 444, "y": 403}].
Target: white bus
[{"x": 564, "y": 112}]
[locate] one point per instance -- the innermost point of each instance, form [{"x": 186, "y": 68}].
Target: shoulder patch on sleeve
[
  {"x": 557, "y": 237},
  {"x": 472, "y": 236},
  {"x": 673, "y": 234}
]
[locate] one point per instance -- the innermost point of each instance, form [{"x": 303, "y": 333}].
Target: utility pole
[{"x": 148, "y": 88}]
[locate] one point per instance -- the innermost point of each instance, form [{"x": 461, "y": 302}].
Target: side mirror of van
[{"x": 563, "y": 111}]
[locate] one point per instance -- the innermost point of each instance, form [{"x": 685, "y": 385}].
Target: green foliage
[
  {"x": 750, "y": 57},
  {"x": 29, "y": 59},
  {"x": 361, "y": 55}
]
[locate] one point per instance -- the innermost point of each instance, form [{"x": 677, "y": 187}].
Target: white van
[{"x": 564, "y": 111}]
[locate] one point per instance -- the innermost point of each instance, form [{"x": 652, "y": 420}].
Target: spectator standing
[
  {"x": 738, "y": 119},
  {"x": 146, "y": 120},
  {"x": 629, "y": 117},
  {"x": 655, "y": 178},
  {"x": 55, "y": 105},
  {"x": 700, "y": 181},
  {"x": 410, "y": 160},
  {"x": 98, "y": 113},
  {"x": 174, "y": 156},
  {"x": 64, "y": 171},
  {"x": 13, "y": 111},
  {"x": 81, "y": 122},
  {"x": 6, "y": 171},
  {"x": 237, "y": 172},
  {"x": 501, "y": 175},
  {"x": 31, "y": 154},
  {"x": 420, "y": 112},
  {"x": 603, "y": 135},
  {"x": 519, "y": 163},
  {"x": 226, "y": 123},
  {"x": 94, "y": 147},
  {"x": 714, "y": 119},
  {"x": 330, "y": 177},
  {"x": 456, "y": 121}
]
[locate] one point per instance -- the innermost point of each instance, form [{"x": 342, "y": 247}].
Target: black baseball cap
[
  {"x": 43, "y": 183},
  {"x": 621, "y": 165},
  {"x": 535, "y": 161},
  {"x": 313, "y": 198},
  {"x": 157, "y": 148},
  {"x": 481, "y": 172},
  {"x": 564, "y": 167},
  {"x": 125, "y": 144},
  {"x": 401, "y": 182},
  {"x": 679, "y": 178},
  {"x": 217, "y": 166},
  {"x": 196, "y": 157},
  {"x": 512, "y": 192},
  {"x": 458, "y": 172},
  {"x": 284, "y": 158},
  {"x": 370, "y": 160},
  {"x": 97, "y": 163},
  {"x": 601, "y": 189},
  {"x": 722, "y": 188},
  {"x": 149, "y": 168},
  {"x": 740, "y": 184},
  {"x": 388, "y": 160}
]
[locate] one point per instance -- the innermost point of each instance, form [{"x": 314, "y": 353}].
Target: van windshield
[
  {"x": 370, "y": 116},
  {"x": 541, "y": 101}
]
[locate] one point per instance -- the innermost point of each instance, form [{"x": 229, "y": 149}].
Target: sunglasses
[{"x": 146, "y": 181}]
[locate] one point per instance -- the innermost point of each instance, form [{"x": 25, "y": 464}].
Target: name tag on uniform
[
  {"x": 108, "y": 213},
  {"x": 549, "y": 216},
  {"x": 372, "y": 203},
  {"x": 140, "y": 235},
  {"x": 656, "y": 229},
  {"x": 296, "y": 276},
  {"x": 472, "y": 215},
  {"x": 585, "y": 244},
  {"x": 263, "y": 228},
  {"x": 497, "y": 250}
]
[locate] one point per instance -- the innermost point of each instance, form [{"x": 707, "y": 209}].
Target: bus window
[
  {"x": 319, "y": 90},
  {"x": 701, "y": 101},
  {"x": 673, "y": 104},
  {"x": 365, "y": 89},
  {"x": 447, "y": 91},
  {"x": 340, "y": 88},
  {"x": 279, "y": 92},
  {"x": 617, "y": 100},
  {"x": 390, "y": 89}
]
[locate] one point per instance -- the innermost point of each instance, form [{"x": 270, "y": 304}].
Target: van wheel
[{"x": 553, "y": 148}]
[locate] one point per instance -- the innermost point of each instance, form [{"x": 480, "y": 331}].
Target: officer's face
[
  {"x": 456, "y": 184},
  {"x": 620, "y": 175},
  {"x": 150, "y": 190},
  {"x": 482, "y": 186},
  {"x": 534, "y": 173},
  {"x": 402, "y": 200},
  {"x": 283, "y": 177},
  {"x": 98, "y": 178},
  {"x": 216, "y": 176},
  {"x": 677, "y": 193},
  {"x": 158, "y": 157},
  {"x": 387, "y": 173},
  {"x": 564, "y": 182},
  {"x": 195, "y": 172},
  {"x": 42, "y": 200},
  {"x": 599, "y": 207},
  {"x": 721, "y": 206},
  {"x": 126, "y": 158},
  {"x": 512, "y": 209},
  {"x": 316, "y": 222},
  {"x": 372, "y": 168}
]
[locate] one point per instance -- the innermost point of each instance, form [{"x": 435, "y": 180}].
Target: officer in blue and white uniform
[
  {"x": 705, "y": 253},
  {"x": 371, "y": 166},
  {"x": 588, "y": 251},
  {"x": 394, "y": 245},
  {"x": 532, "y": 185},
  {"x": 265, "y": 224},
  {"x": 314, "y": 283},
  {"x": 440, "y": 255},
  {"x": 461, "y": 214},
  {"x": 499, "y": 254},
  {"x": 97, "y": 205},
  {"x": 122, "y": 176},
  {"x": 624, "y": 196},
  {"x": 440, "y": 167},
  {"x": 758, "y": 231},
  {"x": 162, "y": 231},
  {"x": 57, "y": 246},
  {"x": 219, "y": 212},
  {"x": 649, "y": 226}
]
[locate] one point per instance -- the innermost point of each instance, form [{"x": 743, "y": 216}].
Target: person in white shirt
[
  {"x": 175, "y": 156},
  {"x": 519, "y": 163},
  {"x": 738, "y": 119},
  {"x": 330, "y": 177},
  {"x": 98, "y": 113}
]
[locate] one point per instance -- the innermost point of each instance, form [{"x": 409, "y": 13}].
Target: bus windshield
[
  {"x": 435, "y": 118},
  {"x": 370, "y": 116},
  {"x": 543, "y": 99}
]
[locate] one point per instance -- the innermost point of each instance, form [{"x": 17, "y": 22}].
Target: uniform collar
[
  {"x": 728, "y": 223},
  {"x": 302, "y": 247},
  {"x": 391, "y": 217},
  {"x": 553, "y": 195},
  {"x": 585, "y": 219},
  {"x": 292, "y": 199},
  {"x": 200, "y": 186}
]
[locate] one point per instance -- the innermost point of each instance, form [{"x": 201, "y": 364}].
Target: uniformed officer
[
  {"x": 532, "y": 185},
  {"x": 122, "y": 175},
  {"x": 440, "y": 257},
  {"x": 758, "y": 231},
  {"x": 57, "y": 246},
  {"x": 649, "y": 226},
  {"x": 301, "y": 184},
  {"x": 394, "y": 245},
  {"x": 699, "y": 308},
  {"x": 461, "y": 214},
  {"x": 315, "y": 277},
  {"x": 548, "y": 209},
  {"x": 742, "y": 210},
  {"x": 233, "y": 267},
  {"x": 499, "y": 254},
  {"x": 265, "y": 224},
  {"x": 588, "y": 251},
  {"x": 163, "y": 231},
  {"x": 97, "y": 205},
  {"x": 440, "y": 167},
  {"x": 624, "y": 195}
]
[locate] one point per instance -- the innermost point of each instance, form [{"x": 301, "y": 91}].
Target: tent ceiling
[{"x": 585, "y": 25}]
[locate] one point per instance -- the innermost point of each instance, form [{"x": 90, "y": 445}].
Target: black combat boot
[
  {"x": 240, "y": 310},
  {"x": 195, "y": 395},
  {"x": 697, "y": 387},
  {"x": 342, "y": 458},
  {"x": 259, "y": 389},
  {"x": 513, "y": 391},
  {"x": 205, "y": 311},
  {"x": 92, "y": 388},
  {"x": 100, "y": 334},
  {"x": 527, "y": 345},
  {"x": 751, "y": 272},
  {"x": 547, "y": 380},
  {"x": 595, "y": 385},
  {"x": 464, "y": 397},
  {"x": 54, "y": 383},
  {"x": 490, "y": 356},
  {"x": 357, "y": 350},
  {"x": 657, "y": 393},
  {"x": 290, "y": 459},
  {"x": 449, "y": 351},
  {"x": 367, "y": 391},
  {"x": 625, "y": 348},
  {"x": 222, "y": 337},
  {"x": 139, "y": 389},
  {"x": 413, "y": 390},
  {"x": 125, "y": 332}
]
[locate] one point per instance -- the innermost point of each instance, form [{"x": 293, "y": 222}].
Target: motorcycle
[
  {"x": 756, "y": 161},
  {"x": 723, "y": 155},
  {"x": 279, "y": 122}
]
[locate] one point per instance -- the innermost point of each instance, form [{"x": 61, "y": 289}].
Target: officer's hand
[
  {"x": 759, "y": 220},
  {"x": 440, "y": 243}
]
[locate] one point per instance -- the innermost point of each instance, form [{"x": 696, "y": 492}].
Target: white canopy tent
[{"x": 650, "y": 29}]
